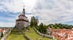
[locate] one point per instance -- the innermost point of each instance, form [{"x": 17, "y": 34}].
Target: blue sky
[{"x": 47, "y": 11}]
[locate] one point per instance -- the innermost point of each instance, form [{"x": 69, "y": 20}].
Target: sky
[{"x": 47, "y": 11}]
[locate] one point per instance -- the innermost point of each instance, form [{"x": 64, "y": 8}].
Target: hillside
[{"x": 30, "y": 33}]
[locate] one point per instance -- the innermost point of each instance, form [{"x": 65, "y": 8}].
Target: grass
[
  {"x": 31, "y": 33},
  {"x": 0, "y": 38},
  {"x": 15, "y": 37}
]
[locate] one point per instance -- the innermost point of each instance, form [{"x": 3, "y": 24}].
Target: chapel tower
[{"x": 22, "y": 20}]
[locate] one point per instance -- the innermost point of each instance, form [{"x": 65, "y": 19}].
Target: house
[
  {"x": 3, "y": 31},
  {"x": 62, "y": 34}
]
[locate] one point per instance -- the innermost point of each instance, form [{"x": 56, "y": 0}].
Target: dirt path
[{"x": 5, "y": 36}]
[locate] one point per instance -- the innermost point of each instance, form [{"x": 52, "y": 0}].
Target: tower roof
[
  {"x": 22, "y": 15},
  {"x": 23, "y": 11}
]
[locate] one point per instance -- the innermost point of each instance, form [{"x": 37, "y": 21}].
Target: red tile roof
[
  {"x": 62, "y": 34},
  {"x": 1, "y": 30}
]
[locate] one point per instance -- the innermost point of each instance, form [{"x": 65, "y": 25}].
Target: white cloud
[
  {"x": 14, "y": 6},
  {"x": 8, "y": 19},
  {"x": 54, "y": 11},
  {"x": 29, "y": 17},
  {"x": 48, "y": 11},
  {"x": 17, "y": 5},
  {"x": 7, "y": 24}
]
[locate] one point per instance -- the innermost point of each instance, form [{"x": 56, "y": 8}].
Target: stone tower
[
  {"x": 22, "y": 21},
  {"x": 21, "y": 24}
]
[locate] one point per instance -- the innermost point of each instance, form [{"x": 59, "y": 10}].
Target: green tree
[
  {"x": 60, "y": 26},
  {"x": 34, "y": 21},
  {"x": 42, "y": 28}
]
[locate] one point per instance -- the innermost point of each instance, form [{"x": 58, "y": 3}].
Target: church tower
[
  {"x": 20, "y": 27},
  {"x": 22, "y": 21}
]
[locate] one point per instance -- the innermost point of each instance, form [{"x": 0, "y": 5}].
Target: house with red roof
[{"x": 62, "y": 34}]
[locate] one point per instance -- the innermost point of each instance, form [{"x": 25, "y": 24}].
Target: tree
[
  {"x": 34, "y": 21},
  {"x": 42, "y": 28},
  {"x": 60, "y": 26}
]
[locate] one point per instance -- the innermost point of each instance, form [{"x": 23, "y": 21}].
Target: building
[
  {"x": 22, "y": 21},
  {"x": 62, "y": 34},
  {"x": 4, "y": 31}
]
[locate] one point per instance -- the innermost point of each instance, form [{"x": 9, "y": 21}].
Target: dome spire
[{"x": 23, "y": 9}]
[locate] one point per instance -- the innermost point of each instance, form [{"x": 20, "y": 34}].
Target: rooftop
[{"x": 62, "y": 34}]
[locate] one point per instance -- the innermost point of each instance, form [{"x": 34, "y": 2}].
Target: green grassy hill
[
  {"x": 34, "y": 36},
  {"x": 31, "y": 33},
  {"x": 16, "y": 37}
]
